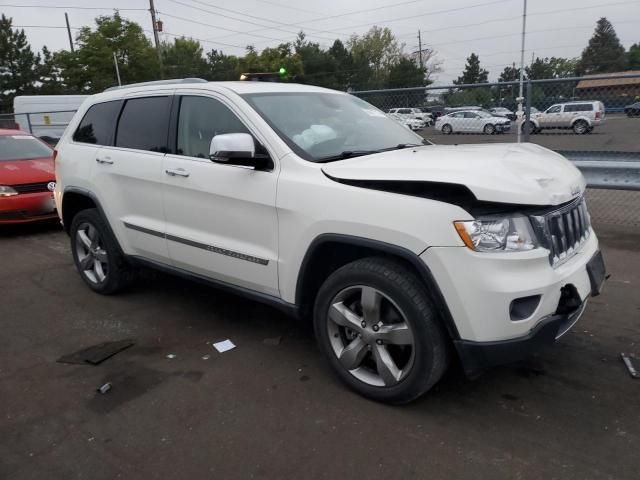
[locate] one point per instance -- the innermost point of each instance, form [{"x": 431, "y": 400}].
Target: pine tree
[
  {"x": 18, "y": 64},
  {"x": 472, "y": 72},
  {"x": 604, "y": 53},
  {"x": 510, "y": 74},
  {"x": 633, "y": 57}
]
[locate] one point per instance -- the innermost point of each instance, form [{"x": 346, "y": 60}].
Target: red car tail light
[{"x": 598, "y": 115}]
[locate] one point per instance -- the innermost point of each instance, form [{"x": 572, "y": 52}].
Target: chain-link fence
[{"x": 595, "y": 114}]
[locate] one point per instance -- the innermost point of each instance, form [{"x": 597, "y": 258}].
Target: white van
[{"x": 46, "y": 116}]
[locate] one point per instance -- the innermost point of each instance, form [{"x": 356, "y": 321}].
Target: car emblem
[
  {"x": 575, "y": 190},
  {"x": 51, "y": 186}
]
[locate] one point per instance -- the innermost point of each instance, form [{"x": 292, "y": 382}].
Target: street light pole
[{"x": 520, "y": 95}]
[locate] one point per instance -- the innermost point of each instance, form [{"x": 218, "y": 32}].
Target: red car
[{"x": 27, "y": 178}]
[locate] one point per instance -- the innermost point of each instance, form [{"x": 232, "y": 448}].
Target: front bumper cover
[{"x": 476, "y": 356}]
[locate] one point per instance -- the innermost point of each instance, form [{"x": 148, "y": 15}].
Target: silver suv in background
[{"x": 581, "y": 117}]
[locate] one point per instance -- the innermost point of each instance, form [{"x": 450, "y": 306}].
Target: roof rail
[{"x": 159, "y": 82}]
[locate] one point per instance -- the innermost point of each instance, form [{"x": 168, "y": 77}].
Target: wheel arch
[
  {"x": 76, "y": 199},
  {"x": 328, "y": 252},
  {"x": 583, "y": 118}
]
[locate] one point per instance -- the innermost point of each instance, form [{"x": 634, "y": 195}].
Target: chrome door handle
[
  {"x": 178, "y": 172},
  {"x": 105, "y": 160}
]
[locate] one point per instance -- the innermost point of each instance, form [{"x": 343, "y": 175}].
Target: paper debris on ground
[
  {"x": 171, "y": 355},
  {"x": 224, "y": 346}
]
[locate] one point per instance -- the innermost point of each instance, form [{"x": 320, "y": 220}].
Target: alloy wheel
[
  {"x": 92, "y": 257},
  {"x": 370, "y": 336}
]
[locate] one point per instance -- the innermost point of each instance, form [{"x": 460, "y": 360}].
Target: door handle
[
  {"x": 105, "y": 160},
  {"x": 177, "y": 172}
]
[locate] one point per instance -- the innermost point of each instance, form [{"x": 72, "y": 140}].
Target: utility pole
[
  {"x": 520, "y": 95},
  {"x": 66, "y": 18},
  {"x": 156, "y": 38},
  {"x": 420, "y": 49},
  {"x": 115, "y": 62}
]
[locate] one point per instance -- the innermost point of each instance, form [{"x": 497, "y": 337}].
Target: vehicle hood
[
  {"x": 35, "y": 170},
  {"x": 525, "y": 173}
]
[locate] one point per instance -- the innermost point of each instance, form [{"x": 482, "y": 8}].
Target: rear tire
[
  {"x": 97, "y": 255},
  {"x": 380, "y": 332},
  {"x": 580, "y": 127},
  {"x": 446, "y": 129},
  {"x": 531, "y": 126}
]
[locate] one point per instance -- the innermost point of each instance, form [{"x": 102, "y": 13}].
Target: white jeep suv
[
  {"x": 404, "y": 255},
  {"x": 581, "y": 117}
]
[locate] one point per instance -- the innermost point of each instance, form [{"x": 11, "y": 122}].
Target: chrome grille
[{"x": 563, "y": 231}]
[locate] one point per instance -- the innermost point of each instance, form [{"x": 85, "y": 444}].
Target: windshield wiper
[
  {"x": 346, "y": 154},
  {"x": 358, "y": 153}
]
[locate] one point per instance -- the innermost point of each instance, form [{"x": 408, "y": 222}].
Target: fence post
[
  {"x": 29, "y": 123},
  {"x": 527, "y": 112}
]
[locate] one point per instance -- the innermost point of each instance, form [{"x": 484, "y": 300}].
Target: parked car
[
  {"x": 410, "y": 122},
  {"x": 632, "y": 110},
  {"x": 503, "y": 112},
  {"x": 581, "y": 117},
  {"x": 462, "y": 109},
  {"x": 402, "y": 254},
  {"x": 412, "y": 113},
  {"x": 26, "y": 178},
  {"x": 475, "y": 121}
]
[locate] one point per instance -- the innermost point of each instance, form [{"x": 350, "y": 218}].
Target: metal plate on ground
[{"x": 96, "y": 354}]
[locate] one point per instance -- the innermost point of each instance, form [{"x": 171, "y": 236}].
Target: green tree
[
  {"x": 50, "y": 77},
  {"x": 405, "y": 73},
  {"x": 344, "y": 65},
  {"x": 91, "y": 69},
  {"x": 633, "y": 57},
  {"x": 318, "y": 65},
  {"x": 604, "y": 53},
  {"x": 510, "y": 74},
  {"x": 183, "y": 58},
  {"x": 473, "y": 72},
  {"x": 18, "y": 64},
  {"x": 222, "y": 67},
  {"x": 554, "y": 67},
  {"x": 374, "y": 53}
]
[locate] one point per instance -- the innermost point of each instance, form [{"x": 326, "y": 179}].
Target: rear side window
[
  {"x": 98, "y": 123},
  {"x": 579, "y": 107},
  {"x": 143, "y": 124}
]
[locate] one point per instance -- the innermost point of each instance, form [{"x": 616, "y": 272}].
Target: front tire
[
  {"x": 489, "y": 129},
  {"x": 447, "y": 129},
  {"x": 378, "y": 329},
  {"x": 96, "y": 254}
]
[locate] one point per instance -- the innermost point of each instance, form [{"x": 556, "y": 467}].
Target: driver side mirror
[{"x": 238, "y": 149}]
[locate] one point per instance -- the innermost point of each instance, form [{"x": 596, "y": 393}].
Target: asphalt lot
[
  {"x": 618, "y": 133},
  {"x": 272, "y": 409}
]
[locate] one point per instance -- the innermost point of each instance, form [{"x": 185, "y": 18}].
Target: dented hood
[{"x": 523, "y": 173}]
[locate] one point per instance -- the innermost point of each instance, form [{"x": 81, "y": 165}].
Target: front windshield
[
  {"x": 22, "y": 147},
  {"x": 319, "y": 126}
]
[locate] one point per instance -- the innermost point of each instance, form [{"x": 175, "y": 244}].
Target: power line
[
  {"x": 438, "y": 12},
  {"x": 243, "y": 20},
  {"x": 211, "y": 26},
  {"x": 73, "y": 7},
  {"x": 495, "y": 20}
]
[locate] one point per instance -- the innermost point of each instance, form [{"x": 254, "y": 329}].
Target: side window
[
  {"x": 554, "y": 109},
  {"x": 97, "y": 124},
  {"x": 143, "y": 124},
  {"x": 200, "y": 120},
  {"x": 470, "y": 115},
  {"x": 458, "y": 115}
]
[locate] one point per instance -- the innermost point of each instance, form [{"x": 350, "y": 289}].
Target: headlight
[
  {"x": 494, "y": 233},
  {"x": 6, "y": 191}
]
